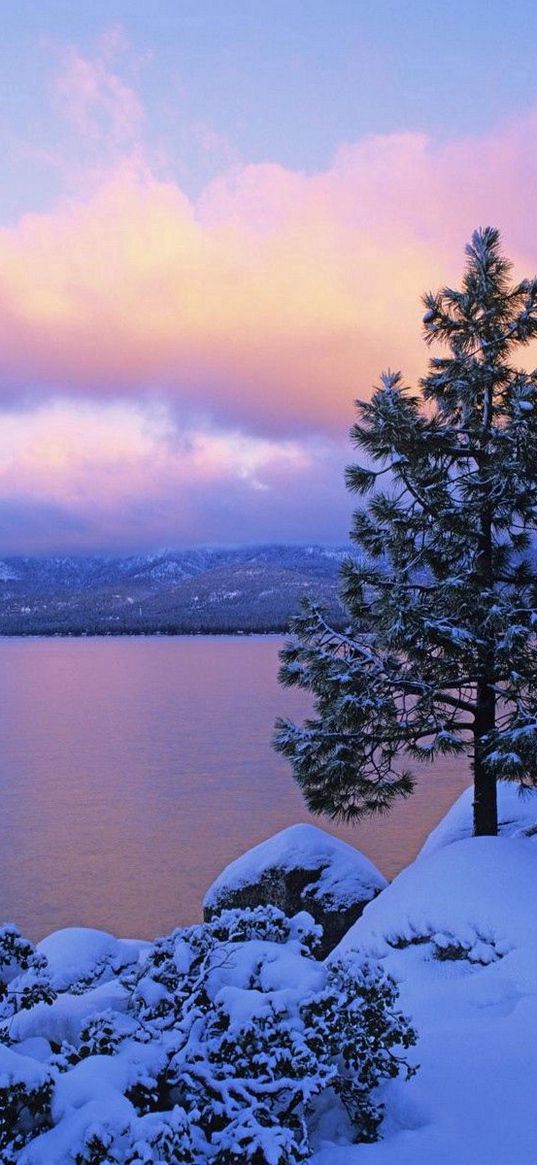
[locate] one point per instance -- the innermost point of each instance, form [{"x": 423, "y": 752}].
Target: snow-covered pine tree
[{"x": 440, "y": 655}]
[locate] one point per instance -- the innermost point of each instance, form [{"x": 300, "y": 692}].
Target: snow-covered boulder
[
  {"x": 79, "y": 957},
  {"x": 517, "y": 816},
  {"x": 300, "y": 868}
]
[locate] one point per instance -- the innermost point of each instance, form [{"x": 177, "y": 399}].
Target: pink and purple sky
[{"x": 216, "y": 222}]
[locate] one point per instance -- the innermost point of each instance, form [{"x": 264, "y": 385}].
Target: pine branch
[{"x": 441, "y": 622}]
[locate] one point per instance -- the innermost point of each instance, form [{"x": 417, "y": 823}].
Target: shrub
[
  {"x": 260, "y": 1030},
  {"x": 24, "y": 980},
  {"x": 234, "y": 1030}
]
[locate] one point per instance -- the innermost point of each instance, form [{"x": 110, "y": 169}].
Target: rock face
[{"x": 300, "y": 868}]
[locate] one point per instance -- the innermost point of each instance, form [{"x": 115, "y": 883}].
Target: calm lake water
[{"x": 132, "y": 770}]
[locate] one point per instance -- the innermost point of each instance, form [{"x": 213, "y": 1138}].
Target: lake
[{"x": 133, "y": 769}]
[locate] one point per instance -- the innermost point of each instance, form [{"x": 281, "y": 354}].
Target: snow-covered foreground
[{"x": 457, "y": 930}]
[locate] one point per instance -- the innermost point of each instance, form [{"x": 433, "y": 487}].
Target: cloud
[
  {"x": 176, "y": 371},
  {"x": 94, "y": 98},
  {"x": 272, "y": 301},
  {"x": 80, "y": 477}
]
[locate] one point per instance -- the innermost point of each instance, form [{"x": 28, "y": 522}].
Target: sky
[{"x": 217, "y": 219}]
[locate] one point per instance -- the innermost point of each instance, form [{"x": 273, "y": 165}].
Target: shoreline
[{"x": 152, "y": 634}]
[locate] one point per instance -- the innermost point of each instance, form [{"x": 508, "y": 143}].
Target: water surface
[{"x": 133, "y": 769}]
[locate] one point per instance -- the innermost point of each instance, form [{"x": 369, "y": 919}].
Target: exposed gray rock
[{"x": 300, "y": 868}]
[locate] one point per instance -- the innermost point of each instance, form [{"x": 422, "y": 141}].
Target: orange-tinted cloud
[
  {"x": 272, "y": 301},
  {"x": 86, "y": 476}
]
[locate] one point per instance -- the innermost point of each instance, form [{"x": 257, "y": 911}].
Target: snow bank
[
  {"x": 517, "y": 814},
  {"x": 483, "y": 886},
  {"x": 65, "y": 1018},
  {"x": 300, "y": 868},
  {"x": 458, "y": 930}
]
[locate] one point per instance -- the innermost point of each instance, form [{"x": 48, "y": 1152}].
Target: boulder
[{"x": 300, "y": 868}]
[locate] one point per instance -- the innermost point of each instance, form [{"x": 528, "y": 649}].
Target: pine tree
[{"x": 440, "y": 655}]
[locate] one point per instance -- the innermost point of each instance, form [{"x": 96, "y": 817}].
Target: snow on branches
[
  {"x": 223, "y": 1041},
  {"x": 440, "y": 654}
]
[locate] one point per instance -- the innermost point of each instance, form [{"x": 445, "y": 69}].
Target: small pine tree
[{"x": 441, "y": 652}]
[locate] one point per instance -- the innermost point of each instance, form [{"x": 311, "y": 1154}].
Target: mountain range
[{"x": 205, "y": 590}]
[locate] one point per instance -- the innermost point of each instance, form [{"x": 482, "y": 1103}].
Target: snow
[
  {"x": 285, "y": 978},
  {"x": 346, "y": 874},
  {"x": 16, "y": 1068},
  {"x": 472, "y": 1100},
  {"x": 77, "y": 956},
  {"x": 98, "y": 1077},
  {"x": 65, "y": 1018},
  {"x": 457, "y": 930},
  {"x": 36, "y": 1047},
  {"x": 450, "y": 893},
  {"x": 517, "y": 813},
  {"x": 55, "y": 1147}
]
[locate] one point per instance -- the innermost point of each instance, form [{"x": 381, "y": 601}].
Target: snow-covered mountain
[{"x": 256, "y": 588}]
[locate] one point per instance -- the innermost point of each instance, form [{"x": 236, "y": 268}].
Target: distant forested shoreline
[{"x": 246, "y": 590}]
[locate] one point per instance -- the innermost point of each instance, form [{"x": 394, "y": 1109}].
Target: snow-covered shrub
[
  {"x": 233, "y": 1032},
  {"x": 100, "y": 1035},
  {"x": 174, "y": 1136},
  {"x": 25, "y": 1086},
  {"x": 25, "y": 1096},
  {"x": 24, "y": 980},
  {"x": 80, "y": 957},
  {"x": 258, "y": 1030}
]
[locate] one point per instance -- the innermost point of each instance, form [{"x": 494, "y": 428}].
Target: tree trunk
[
  {"x": 485, "y": 794},
  {"x": 485, "y": 799}
]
